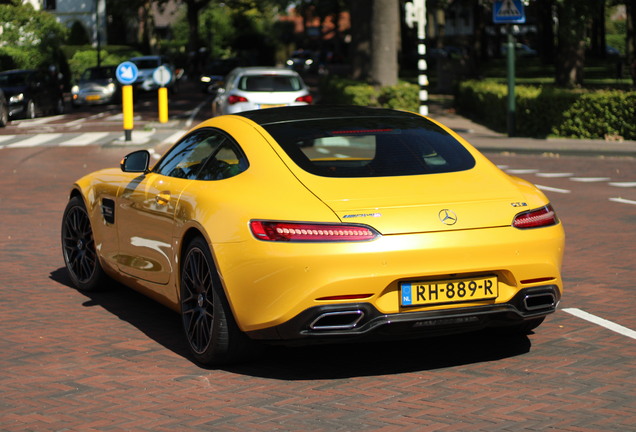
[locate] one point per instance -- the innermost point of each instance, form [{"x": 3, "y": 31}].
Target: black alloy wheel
[
  {"x": 212, "y": 334},
  {"x": 78, "y": 247}
]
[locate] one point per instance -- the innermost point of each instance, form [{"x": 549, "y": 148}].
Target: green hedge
[
  {"x": 544, "y": 111},
  {"x": 403, "y": 96}
]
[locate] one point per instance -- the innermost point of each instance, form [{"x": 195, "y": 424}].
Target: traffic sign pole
[
  {"x": 416, "y": 14},
  {"x": 511, "y": 82},
  {"x": 510, "y": 12},
  {"x": 163, "y": 105},
  {"x": 162, "y": 76},
  {"x": 127, "y": 108},
  {"x": 127, "y": 74}
]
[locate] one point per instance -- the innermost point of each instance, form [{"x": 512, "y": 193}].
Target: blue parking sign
[
  {"x": 127, "y": 73},
  {"x": 508, "y": 12}
]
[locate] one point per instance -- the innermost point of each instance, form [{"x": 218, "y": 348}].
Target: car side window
[
  {"x": 227, "y": 161},
  {"x": 205, "y": 154}
]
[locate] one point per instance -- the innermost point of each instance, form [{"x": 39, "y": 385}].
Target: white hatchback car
[{"x": 250, "y": 88}]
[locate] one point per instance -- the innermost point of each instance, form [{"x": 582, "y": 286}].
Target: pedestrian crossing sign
[{"x": 508, "y": 12}]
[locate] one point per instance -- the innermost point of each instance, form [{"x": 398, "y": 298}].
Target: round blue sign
[{"x": 127, "y": 73}]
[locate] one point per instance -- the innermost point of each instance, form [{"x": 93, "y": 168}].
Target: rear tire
[
  {"x": 209, "y": 326},
  {"x": 78, "y": 248}
]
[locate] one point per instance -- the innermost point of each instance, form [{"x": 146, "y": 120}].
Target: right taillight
[{"x": 541, "y": 217}]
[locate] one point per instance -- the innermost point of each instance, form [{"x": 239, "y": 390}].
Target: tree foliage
[{"x": 29, "y": 38}]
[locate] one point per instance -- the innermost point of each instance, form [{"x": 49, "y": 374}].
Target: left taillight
[
  {"x": 307, "y": 99},
  {"x": 310, "y": 232},
  {"x": 541, "y": 217}
]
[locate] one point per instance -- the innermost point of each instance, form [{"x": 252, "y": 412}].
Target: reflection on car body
[{"x": 318, "y": 223}]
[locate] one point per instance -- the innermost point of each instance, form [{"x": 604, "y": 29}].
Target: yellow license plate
[
  {"x": 271, "y": 105},
  {"x": 92, "y": 97},
  {"x": 448, "y": 291}
]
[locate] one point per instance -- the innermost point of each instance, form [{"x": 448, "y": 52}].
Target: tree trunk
[
  {"x": 545, "y": 18},
  {"x": 360, "y": 51},
  {"x": 630, "y": 46},
  {"x": 385, "y": 25},
  {"x": 574, "y": 16}
]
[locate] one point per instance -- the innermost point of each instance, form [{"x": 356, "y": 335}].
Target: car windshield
[
  {"x": 94, "y": 74},
  {"x": 14, "y": 79},
  {"x": 269, "y": 83},
  {"x": 370, "y": 147}
]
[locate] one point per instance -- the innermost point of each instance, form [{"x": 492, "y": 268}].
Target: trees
[{"x": 29, "y": 38}]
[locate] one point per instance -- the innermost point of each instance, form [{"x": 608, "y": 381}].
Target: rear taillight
[
  {"x": 310, "y": 232},
  {"x": 307, "y": 99},
  {"x": 232, "y": 99},
  {"x": 544, "y": 216}
]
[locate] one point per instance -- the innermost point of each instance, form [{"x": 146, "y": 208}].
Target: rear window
[
  {"x": 371, "y": 147},
  {"x": 269, "y": 83}
]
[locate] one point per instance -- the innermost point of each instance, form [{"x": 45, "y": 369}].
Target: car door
[{"x": 147, "y": 208}]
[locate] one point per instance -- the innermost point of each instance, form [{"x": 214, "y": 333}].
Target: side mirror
[{"x": 137, "y": 161}]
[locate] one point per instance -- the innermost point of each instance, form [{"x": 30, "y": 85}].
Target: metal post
[
  {"x": 416, "y": 13},
  {"x": 511, "y": 82}
]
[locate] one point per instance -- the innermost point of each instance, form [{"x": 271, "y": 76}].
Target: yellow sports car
[{"x": 318, "y": 223}]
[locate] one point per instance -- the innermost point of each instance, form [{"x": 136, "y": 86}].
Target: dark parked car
[
  {"x": 31, "y": 92},
  {"x": 4, "y": 110},
  {"x": 97, "y": 85}
]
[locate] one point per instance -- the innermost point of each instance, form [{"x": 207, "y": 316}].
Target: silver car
[
  {"x": 97, "y": 85},
  {"x": 249, "y": 88}
]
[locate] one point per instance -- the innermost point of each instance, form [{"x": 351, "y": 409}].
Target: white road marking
[
  {"x": 38, "y": 121},
  {"x": 522, "y": 171},
  {"x": 554, "y": 175},
  {"x": 602, "y": 322},
  {"x": 35, "y": 140},
  {"x": 623, "y": 184},
  {"x": 623, "y": 201},
  {"x": 590, "y": 179},
  {"x": 6, "y": 137},
  {"x": 84, "y": 139},
  {"x": 551, "y": 189}
]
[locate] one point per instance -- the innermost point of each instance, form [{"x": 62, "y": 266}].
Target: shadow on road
[{"x": 316, "y": 362}]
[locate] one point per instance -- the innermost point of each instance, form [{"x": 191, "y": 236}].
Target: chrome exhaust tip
[
  {"x": 340, "y": 320},
  {"x": 545, "y": 300}
]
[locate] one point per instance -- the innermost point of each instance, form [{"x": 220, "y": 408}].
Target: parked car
[
  {"x": 250, "y": 88},
  {"x": 147, "y": 66},
  {"x": 97, "y": 85},
  {"x": 4, "y": 110},
  {"x": 319, "y": 224},
  {"x": 214, "y": 73},
  {"x": 31, "y": 93}
]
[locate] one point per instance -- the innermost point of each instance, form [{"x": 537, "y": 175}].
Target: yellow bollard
[
  {"x": 163, "y": 105},
  {"x": 127, "y": 109}
]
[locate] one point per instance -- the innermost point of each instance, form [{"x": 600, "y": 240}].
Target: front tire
[
  {"x": 30, "y": 110},
  {"x": 212, "y": 334},
  {"x": 78, "y": 247}
]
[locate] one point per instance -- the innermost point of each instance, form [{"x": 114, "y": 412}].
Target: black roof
[{"x": 316, "y": 112}]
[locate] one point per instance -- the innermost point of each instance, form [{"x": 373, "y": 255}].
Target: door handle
[{"x": 163, "y": 198}]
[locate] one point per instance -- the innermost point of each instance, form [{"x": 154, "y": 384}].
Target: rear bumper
[{"x": 364, "y": 321}]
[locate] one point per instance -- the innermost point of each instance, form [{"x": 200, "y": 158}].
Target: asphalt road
[{"x": 116, "y": 361}]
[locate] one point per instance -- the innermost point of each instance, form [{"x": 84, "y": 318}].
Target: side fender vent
[{"x": 108, "y": 210}]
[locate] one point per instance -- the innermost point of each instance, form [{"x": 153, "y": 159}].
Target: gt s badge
[{"x": 519, "y": 204}]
